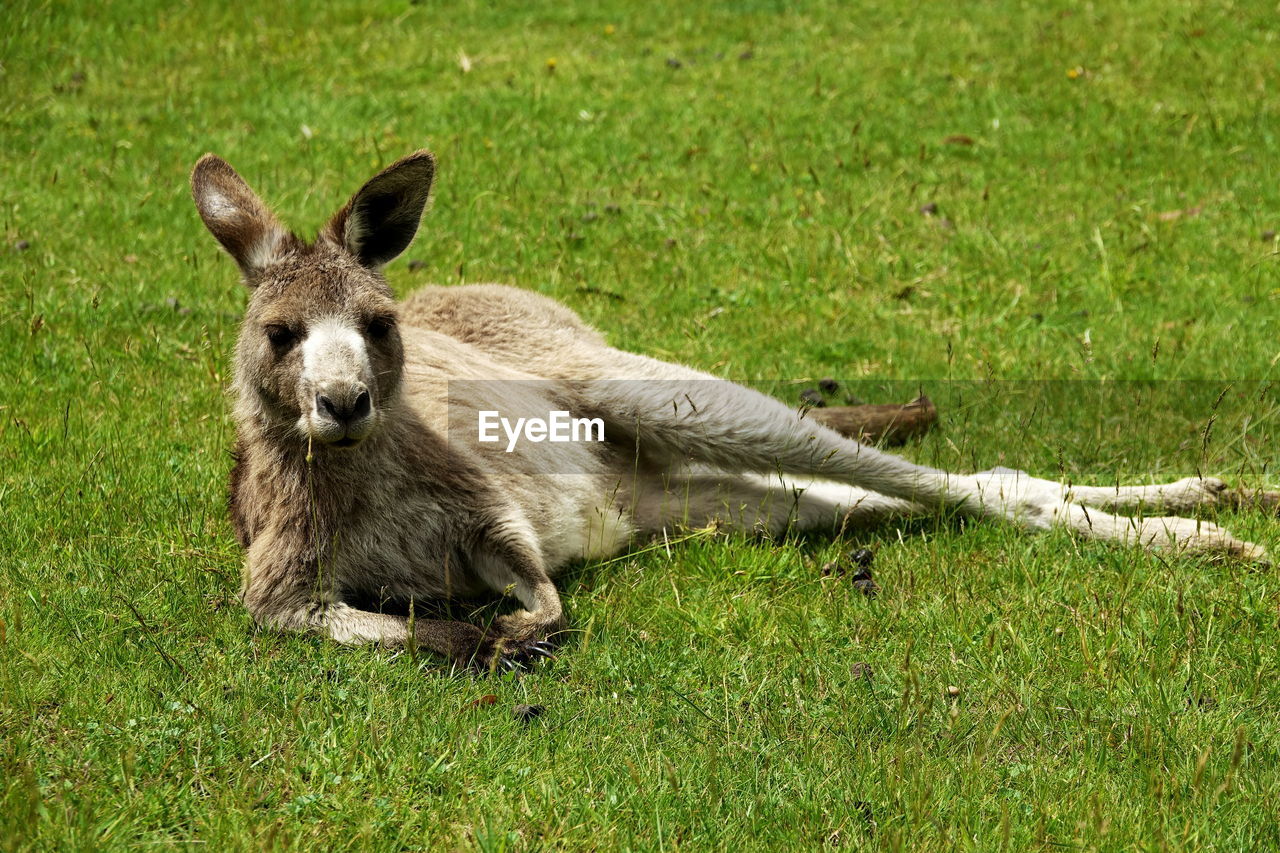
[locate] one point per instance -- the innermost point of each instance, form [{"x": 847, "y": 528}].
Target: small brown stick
[{"x": 884, "y": 423}]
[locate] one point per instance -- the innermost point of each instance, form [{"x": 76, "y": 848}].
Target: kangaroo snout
[
  {"x": 343, "y": 414},
  {"x": 344, "y": 409}
]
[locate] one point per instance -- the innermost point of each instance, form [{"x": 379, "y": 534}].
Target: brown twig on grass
[{"x": 889, "y": 424}]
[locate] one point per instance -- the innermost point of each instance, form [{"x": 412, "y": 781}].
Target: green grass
[{"x": 755, "y": 212}]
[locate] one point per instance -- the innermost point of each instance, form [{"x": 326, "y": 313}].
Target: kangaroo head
[{"x": 319, "y": 356}]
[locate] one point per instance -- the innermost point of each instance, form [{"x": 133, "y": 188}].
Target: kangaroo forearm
[{"x": 351, "y": 626}]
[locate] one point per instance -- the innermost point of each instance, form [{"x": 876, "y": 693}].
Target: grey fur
[{"x": 410, "y": 512}]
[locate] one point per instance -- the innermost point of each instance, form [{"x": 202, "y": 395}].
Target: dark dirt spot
[
  {"x": 862, "y": 579},
  {"x": 864, "y": 583},
  {"x": 528, "y": 713},
  {"x": 74, "y": 83},
  {"x": 811, "y": 397},
  {"x": 1202, "y": 703},
  {"x": 599, "y": 291}
]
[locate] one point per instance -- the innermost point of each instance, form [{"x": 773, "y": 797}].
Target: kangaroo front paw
[{"x": 503, "y": 654}]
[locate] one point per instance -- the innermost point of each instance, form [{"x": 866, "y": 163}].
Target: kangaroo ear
[
  {"x": 380, "y": 220},
  {"x": 236, "y": 216}
]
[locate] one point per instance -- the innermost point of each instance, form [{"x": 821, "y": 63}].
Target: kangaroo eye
[
  {"x": 280, "y": 336},
  {"x": 379, "y": 327}
]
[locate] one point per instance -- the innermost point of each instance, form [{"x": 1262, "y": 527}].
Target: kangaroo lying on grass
[{"x": 350, "y": 484}]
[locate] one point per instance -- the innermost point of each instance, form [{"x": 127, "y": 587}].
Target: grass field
[{"x": 1032, "y": 202}]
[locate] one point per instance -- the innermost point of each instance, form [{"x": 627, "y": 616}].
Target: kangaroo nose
[{"x": 344, "y": 409}]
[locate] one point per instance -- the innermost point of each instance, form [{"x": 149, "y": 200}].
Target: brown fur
[{"x": 349, "y": 486}]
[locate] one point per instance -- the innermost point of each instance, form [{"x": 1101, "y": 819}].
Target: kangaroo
[{"x": 360, "y": 472}]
